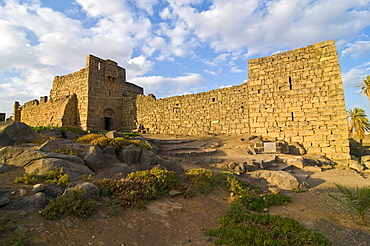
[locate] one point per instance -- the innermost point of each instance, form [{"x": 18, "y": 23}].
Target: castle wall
[
  {"x": 57, "y": 112},
  {"x": 296, "y": 96}
]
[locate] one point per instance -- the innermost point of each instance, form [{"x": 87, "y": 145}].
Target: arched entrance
[{"x": 108, "y": 115}]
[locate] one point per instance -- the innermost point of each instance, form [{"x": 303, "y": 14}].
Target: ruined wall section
[
  {"x": 297, "y": 96},
  {"x": 73, "y": 84},
  {"x": 110, "y": 96},
  {"x": 222, "y": 111},
  {"x": 58, "y": 112}
]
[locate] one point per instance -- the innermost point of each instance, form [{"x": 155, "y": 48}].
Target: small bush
[
  {"x": 101, "y": 142},
  {"x": 55, "y": 176},
  {"x": 19, "y": 238},
  {"x": 6, "y": 222},
  {"x": 131, "y": 134},
  {"x": 240, "y": 227},
  {"x": 68, "y": 151},
  {"x": 73, "y": 203},
  {"x": 27, "y": 178},
  {"x": 88, "y": 138},
  {"x": 63, "y": 129},
  {"x": 119, "y": 143},
  {"x": 359, "y": 201},
  {"x": 139, "y": 187},
  {"x": 203, "y": 180}
]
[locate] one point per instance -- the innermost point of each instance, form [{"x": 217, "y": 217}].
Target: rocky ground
[{"x": 179, "y": 221}]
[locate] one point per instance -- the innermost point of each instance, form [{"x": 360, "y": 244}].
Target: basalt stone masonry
[
  {"x": 294, "y": 96},
  {"x": 95, "y": 98}
]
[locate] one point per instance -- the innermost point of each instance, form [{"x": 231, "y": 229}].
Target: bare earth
[{"x": 179, "y": 221}]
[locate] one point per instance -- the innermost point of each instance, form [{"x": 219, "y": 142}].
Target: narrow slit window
[
  {"x": 290, "y": 83},
  {"x": 292, "y": 116},
  {"x": 98, "y": 65}
]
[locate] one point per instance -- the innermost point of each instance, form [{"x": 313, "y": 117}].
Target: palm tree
[
  {"x": 359, "y": 123},
  {"x": 365, "y": 87}
]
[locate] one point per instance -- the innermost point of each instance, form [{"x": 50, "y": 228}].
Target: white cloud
[
  {"x": 354, "y": 76},
  {"x": 166, "y": 87},
  {"x": 358, "y": 49}
]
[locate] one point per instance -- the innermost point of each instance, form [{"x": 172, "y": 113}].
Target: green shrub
[
  {"x": 6, "y": 222},
  {"x": 130, "y": 134},
  {"x": 74, "y": 203},
  {"x": 55, "y": 176},
  {"x": 203, "y": 180},
  {"x": 101, "y": 142},
  {"x": 18, "y": 238},
  {"x": 88, "y": 138},
  {"x": 359, "y": 201},
  {"x": 68, "y": 151},
  {"x": 139, "y": 187},
  {"x": 28, "y": 178},
  {"x": 240, "y": 227},
  {"x": 119, "y": 143}
]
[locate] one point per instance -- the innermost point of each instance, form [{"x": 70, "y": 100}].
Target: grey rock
[
  {"x": 41, "y": 162},
  {"x": 94, "y": 158},
  {"x": 33, "y": 203},
  {"x": 54, "y": 133},
  {"x": 53, "y": 190},
  {"x": 92, "y": 191},
  {"x": 61, "y": 143},
  {"x": 38, "y": 187},
  {"x": 148, "y": 157},
  {"x": 70, "y": 135},
  {"x": 12, "y": 132},
  {"x": 355, "y": 165},
  {"x": 296, "y": 149},
  {"x": 174, "y": 193},
  {"x": 3, "y": 168},
  {"x": 280, "y": 179},
  {"x": 130, "y": 154},
  {"x": 114, "y": 134},
  {"x": 4, "y": 197}
]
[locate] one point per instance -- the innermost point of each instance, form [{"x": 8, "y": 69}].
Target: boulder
[
  {"x": 281, "y": 179},
  {"x": 114, "y": 134},
  {"x": 365, "y": 160},
  {"x": 4, "y": 197},
  {"x": 53, "y": 133},
  {"x": 61, "y": 143},
  {"x": 34, "y": 203},
  {"x": 3, "y": 168},
  {"x": 40, "y": 162},
  {"x": 92, "y": 191},
  {"x": 354, "y": 164},
  {"x": 70, "y": 135},
  {"x": 148, "y": 157},
  {"x": 94, "y": 158},
  {"x": 13, "y": 132},
  {"x": 296, "y": 149},
  {"x": 53, "y": 190},
  {"x": 296, "y": 161},
  {"x": 130, "y": 154}
]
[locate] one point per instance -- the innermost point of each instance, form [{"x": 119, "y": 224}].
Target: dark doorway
[{"x": 108, "y": 122}]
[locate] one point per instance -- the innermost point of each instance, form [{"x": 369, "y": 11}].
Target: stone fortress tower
[
  {"x": 295, "y": 96},
  {"x": 95, "y": 98}
]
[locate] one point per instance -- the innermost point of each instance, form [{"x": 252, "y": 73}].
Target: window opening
[
  {"x": 213, "y": 99},
  {"x": 292, "y": 116},
  {"x": 108, "y": 123},
  {"x": 290, "y": 83},
  {"x": 98, "y": 65}
]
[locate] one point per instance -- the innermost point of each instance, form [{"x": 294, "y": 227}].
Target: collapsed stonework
[{"x": 294, "y": 96}]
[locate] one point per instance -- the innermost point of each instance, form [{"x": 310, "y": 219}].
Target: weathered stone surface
[
  {"x": 94, "y": 158},
  {"x": 130, "y": 154},
  {"x": 148, "y": 157},
  {"x": 114, "y": 134},
  {"x": 4, "y": 197},
  {"x": 53, "y": 190},
  {"x": 354, "y": 164},
  {"x": 296, "y": 149},
  {"x": 40, "y": 162},
  {"x": 296, "y": 161},
  {"x": 38, "y": 187},
  {"x": 92, "y": 191},
  {"x": 280, "y": 179},
  {"x": 62, "y": 143},
  {"x": 70, "y": 135},
  {"x": 54, "y": 133},
  {"x": 12, "y": 132},
  {"x": 3, "y": 168},
  {"x": 365, "y": 160},
  {"x": 33, "y": 203}
]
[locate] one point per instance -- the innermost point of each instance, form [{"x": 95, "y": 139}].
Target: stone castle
[{"x": 295, "y": 96}]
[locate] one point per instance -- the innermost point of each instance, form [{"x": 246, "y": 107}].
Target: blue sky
[{"x": 173, "y": 47}]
